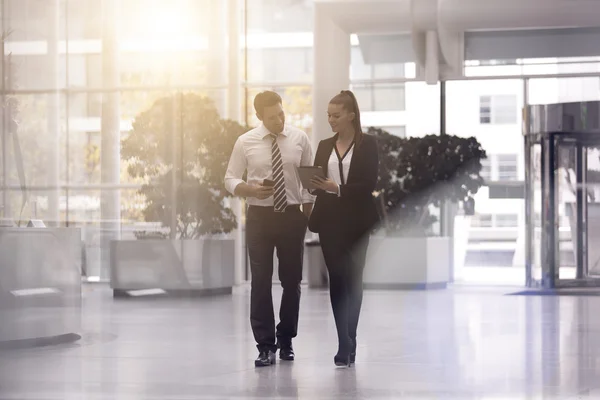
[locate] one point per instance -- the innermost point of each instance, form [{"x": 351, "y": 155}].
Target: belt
[{"x": 291, "y": 207}]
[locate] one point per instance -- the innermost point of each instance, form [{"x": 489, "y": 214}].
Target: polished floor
[{"x": 460, "y": 343}]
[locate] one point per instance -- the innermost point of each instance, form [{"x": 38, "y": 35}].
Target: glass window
[
  {"x": 505, "y": 109},
  {"x": 30, "y": 72},
  {"x": 507, "y": 220},
  {"x": 39, "y": 153},
  {"x": 388, "y": 70},
  {"x": 279, "y": 41},
  {"x": 297, "y": 104},
  {"x": 485, "y": 109},
  {"x": 157, "y": 22},
  {"x": 358, "y": 68},
  {"x": 380, "y": 97},
  {"x": 33, "y": 52},
  {"x": 498, "y": 109},
  {"x": 182, "y": 42},
  {"x": 85, "y": 70},
  {"x": 486, "y": 169},
  {"x": 280, "y": 16},
  {"x": 84, "y": 19},
  {"x": 30, "y": 20},
  {"x": 364, "y": 96},
  {"x": 395, "y": 130},
  {"x": 160, "y": 69},
  {"x": 41, "y": 139},
  {"x": 481, "y": 221},
  {"x": 508, "y": 167},
  {"x": 512, "y": 61},
  {"x": 389, "y": 97},
  {"x": 564, "y": 90},
  {"x": 280, "y": 65}
]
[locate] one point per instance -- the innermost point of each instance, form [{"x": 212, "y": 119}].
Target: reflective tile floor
[{"x": 460, "y": 343}]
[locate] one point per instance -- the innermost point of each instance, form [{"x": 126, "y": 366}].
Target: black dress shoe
[
  {"x": 286, "y": 353},
  {"x": 265, "y": 358}
]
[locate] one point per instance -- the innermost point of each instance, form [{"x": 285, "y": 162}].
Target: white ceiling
[
  {"x": 395, "y": 16},
  {"x": 368, "y": 16}
]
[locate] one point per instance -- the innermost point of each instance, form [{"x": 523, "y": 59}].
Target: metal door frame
[{"x": 551, "y": 143}]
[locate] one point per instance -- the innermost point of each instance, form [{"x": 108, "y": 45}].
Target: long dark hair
[{"x": 347, "y": 99}]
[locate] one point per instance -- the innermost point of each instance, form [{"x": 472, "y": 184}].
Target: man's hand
[
  {"x": 257, "y": 191},
  {"x": 262, "y": 192}
]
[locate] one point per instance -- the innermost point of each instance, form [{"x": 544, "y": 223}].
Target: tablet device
[{"x": 307, "y": 173}]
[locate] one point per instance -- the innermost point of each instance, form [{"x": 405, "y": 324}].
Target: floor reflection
[{"x": 464, "y": 342}]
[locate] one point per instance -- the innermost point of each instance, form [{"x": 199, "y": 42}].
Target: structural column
[
  {"x": 5, "y": 211},
  {"x": 234, "y": 104},
  {"x": 332, "y": 69},
  {"x": 53, "y": 132},
  {"x": 234, "y": 82},
  {"x": 110, "y": 154},
  {"x": 217, "y": 52}
]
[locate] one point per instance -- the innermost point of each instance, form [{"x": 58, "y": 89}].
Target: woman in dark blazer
[{"x": 344, "y": 214}]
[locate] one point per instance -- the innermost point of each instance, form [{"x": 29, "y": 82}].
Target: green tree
[{"x": 186, "y": 128}]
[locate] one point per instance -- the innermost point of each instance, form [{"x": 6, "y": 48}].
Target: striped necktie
[{"x": 280, "y": 200}]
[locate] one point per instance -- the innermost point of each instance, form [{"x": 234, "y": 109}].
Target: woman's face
[{"x": 339, "y": 118}]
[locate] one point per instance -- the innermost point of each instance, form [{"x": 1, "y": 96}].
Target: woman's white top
[{"x": 339, "y": 165}]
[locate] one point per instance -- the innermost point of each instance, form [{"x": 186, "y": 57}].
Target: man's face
[{"x": 273, "y": 118}]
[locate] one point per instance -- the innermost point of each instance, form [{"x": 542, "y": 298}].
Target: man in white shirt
[{"x": 277, "y": 217}]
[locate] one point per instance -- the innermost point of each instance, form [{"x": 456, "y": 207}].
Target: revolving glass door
[{"x": 563, "y": 195}]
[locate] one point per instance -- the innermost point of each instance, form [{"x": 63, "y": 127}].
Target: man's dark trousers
[{"x": 266, "y": 232}]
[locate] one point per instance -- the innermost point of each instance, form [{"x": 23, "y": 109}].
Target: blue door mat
[{"x": 558, "y": 292}]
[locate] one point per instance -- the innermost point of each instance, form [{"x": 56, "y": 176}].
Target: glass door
[
  {"x": 533, "y": 211},
  {"x": 562, "y": 144},
  {"x": 567, "y": 205},
  {"x": 577, "y": 211},
  {"x": 591, "y": 190}
]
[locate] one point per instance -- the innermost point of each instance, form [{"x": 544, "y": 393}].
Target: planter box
[
  {"x": 408, "y": 263},
  {"x": 203, "y": 266},
  {"x": 314, "y": 265},
  {"x": 40, "y": 294}
]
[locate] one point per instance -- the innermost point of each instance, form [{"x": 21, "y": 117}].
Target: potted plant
[
  {"x": 416, "y": 175},
  {"x": 191, "y": 250}
]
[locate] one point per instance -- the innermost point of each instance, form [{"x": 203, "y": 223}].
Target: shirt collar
[{"x": 264, "y": 132}]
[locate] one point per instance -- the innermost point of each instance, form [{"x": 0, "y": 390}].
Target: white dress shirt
[
  {"x": 252, "y": 152},
  {"x": 333, "y": 166}
]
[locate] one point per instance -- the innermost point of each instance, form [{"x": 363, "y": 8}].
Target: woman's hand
[{"x": 325, "y": 184}]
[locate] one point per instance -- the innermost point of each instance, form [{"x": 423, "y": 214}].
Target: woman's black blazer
[{"x": 356, "y": 199}]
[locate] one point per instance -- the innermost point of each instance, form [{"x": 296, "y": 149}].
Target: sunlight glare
[
  {"x": 163, "y": 27},
  {"x": 168, "y": 22}
]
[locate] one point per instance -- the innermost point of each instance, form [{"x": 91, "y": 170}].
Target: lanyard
[{"x": 340, "y": 161}]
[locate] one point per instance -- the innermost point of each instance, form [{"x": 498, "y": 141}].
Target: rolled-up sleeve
[
  {"x": 236, "y": 168},
  {"x": 307, "y": 161}
]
